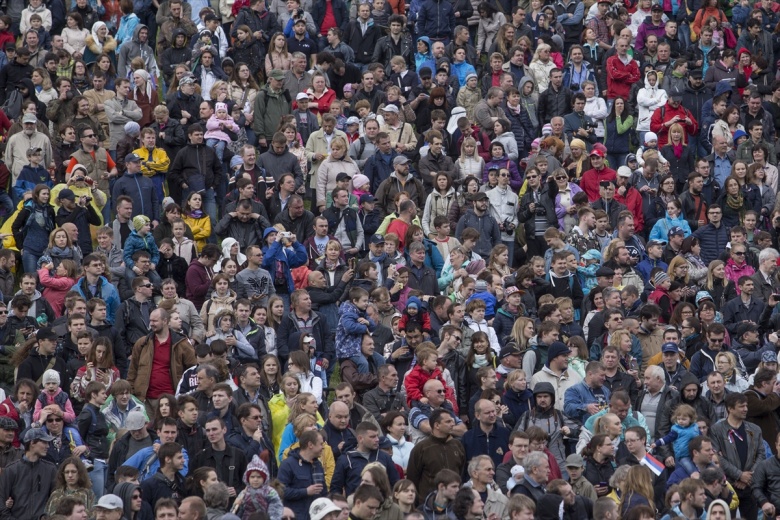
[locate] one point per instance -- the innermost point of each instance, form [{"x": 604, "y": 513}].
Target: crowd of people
[{"x": 450, "y": 260}]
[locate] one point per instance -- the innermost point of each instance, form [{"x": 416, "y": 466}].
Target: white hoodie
[{"x": 649, "y": 99}]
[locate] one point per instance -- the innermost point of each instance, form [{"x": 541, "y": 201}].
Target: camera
[
  {"x": 509, "y": 226},
  {"x": 540, "y": 210},
  {"x": 574, "y": 87},
  {"x": 591, "y": 125},
  {"x": 69, "y": 95}
]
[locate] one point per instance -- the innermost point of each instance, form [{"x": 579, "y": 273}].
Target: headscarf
[
  {"x": 144, "y": 74},
  {"x": 226, "y": 245},
  {"x": 95, "y": 38}
]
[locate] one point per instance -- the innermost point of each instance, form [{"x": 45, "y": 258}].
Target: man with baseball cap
[
  {"x": 8, "y": 453},
  {"x": 556, "y": 371},
  {"x": 139, "y": 188},
  {"x": 592, "y": 179},
  {"x": 400, "y": 180},
  {"x": 507, "y": 314},
  {"x": 675, "y": 237},
  {"x": 607, "y": 202},
  {"x": 29, "y": 481},
  {"x": 109, "y": 507},
  {"x": 136, "y": 439},
  {"x": 655, "y": 252}
]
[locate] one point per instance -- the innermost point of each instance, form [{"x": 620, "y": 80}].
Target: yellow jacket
[
  {"x": 200, "y": 227},
  {"x": 158, "y": 164}
]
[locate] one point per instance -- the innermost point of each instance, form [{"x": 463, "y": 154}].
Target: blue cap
[
  {"x": 670, "y": 347},
  {"x": 132, "y": 157},
  {"x": 676, "y": 230},
  {"x": 268, "y": 231}
]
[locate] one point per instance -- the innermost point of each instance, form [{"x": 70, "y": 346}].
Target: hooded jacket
[
  {"x": 649, "y": 99},
  {"x": 133, "y": 49},
  {"x": 125, "y": 491},
  {"x": 297, "y": 474},
  {"x": 531, "y": 101}
]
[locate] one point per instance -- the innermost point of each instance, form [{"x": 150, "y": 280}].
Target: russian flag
[{"x": 653, "y": 464}]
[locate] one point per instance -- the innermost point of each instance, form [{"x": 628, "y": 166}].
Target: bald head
[
  {"x": 434, "y": 391},
  {"x": 339, "y": 415}
]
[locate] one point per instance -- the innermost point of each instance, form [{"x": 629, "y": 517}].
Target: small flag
[{"x": 653, "y": 464}]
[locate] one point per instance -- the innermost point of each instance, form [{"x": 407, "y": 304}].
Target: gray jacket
[
  {"x": 729, "y": 458},
  {"x": 120, "y": 112}
]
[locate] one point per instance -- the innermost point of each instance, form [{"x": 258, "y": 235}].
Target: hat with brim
[
  {"x": 277, "y": 74},
  {"x": 321, "y": 508}
]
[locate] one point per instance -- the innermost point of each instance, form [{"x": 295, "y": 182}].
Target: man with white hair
[
  {"x": 656, "y": 393},
  {"x": 537, "y": 473},
  {"x": 481, "y": 470},
  {"x": 764, "y": 280}
]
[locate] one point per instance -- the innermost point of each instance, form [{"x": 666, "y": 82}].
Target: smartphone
[
  {"x": 776, "y": 297},
  {"x": 602, "y": 484},
  {"x": 352, "y": 263}
]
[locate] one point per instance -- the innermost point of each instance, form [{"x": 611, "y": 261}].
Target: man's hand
[
  {"x": 262, "y": 142},
  {"x": 768, "y": 509},
  {"x": 314, "y": 489},
  {"x": 348, "y": 274},
  {"x": 746, "y": 477},
  {"x": 593, "y": 408},
  {"x": 269, "y": 192},
  {"x": 79, "y": 451},
  {"x": 325, "y": 364},
  {"x": 231, "y": 491},
  {"x": 258, "y": 435},
  {"x": 400, "y": 352}
]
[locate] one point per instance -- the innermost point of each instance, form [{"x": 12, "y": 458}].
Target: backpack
[{"x": 13, "y": 105}]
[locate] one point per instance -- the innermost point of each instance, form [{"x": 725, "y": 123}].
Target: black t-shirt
[{"x": 739, "y": 437}]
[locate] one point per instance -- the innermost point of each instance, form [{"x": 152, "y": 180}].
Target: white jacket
[
  {"x": 648, "y": 99},
  {"x": 596, "y": 108},
  {"x": 503, "y": 206}
]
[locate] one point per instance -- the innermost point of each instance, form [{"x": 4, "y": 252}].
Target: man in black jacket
[
  {"x": 362, "y": 42},
  {"x": 556, "y": 100},
  {"x": 228, "y": 461},
  {"x": 197, "y": 168},
  {"x": 14, "y": 72},
  {"x": 167, "y": 482},
  {"x": 137, "y": 438},
  {"x": 30, "y": 481}
]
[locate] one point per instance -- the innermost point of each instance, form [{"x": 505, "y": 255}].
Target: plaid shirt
[{"x": 599, "y": 26}]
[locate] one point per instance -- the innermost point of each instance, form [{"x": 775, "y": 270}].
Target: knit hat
[
  {"x": 220, "y": 106},
  {"x": 558, "y": 348},
  {"x": 546, "y": 130},
  {"x": 140, "y": 221},
  {"x": 359, "y": 180},
  {"x": 132, "y": 128},
  {"x": 51, "y": 376},
  {"x": 535, "y": 143},
  {"x": 769, "y": 357},
  {"x": 256, "y": 464},
  {"x": 577, "y": 143},
  {"x": 413, "y": 303},
  {"x": 469, "y": 76},
  {"x": 236, "y": 160},
  {"x": 650, "y": 136},
  {"x": 738, "y": 134},
  {"x": 481, "y": 286},
  {"x": 660, "y": 278},
  {"x": 167, "y": 201}
]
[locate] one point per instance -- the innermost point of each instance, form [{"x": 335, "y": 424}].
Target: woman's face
[
  {"x": 43, "y": 196},
  {"x": 222, "y": 287},
  {"x": 469, "y": 149},
  {"x": 619, "y": 105},
  {"x": 498, "y": 128},
  {"x": 71, "y": 22},
  {"x": 102, "y": 32},
  {"x": 480, "y": 346},
  {"x": 318, "y": 84},
  {"x": 625, "y": 343},
  {"x": 279, "y": 42},
  {"x": 260, "y": 316},
  {"x": 744, "y": 58},
  {"x": 210, "y": 479},
  {"x": 676, "y": 135},
  {"x": 456, "y": 258},
  {"x": 230, "y": 268},
  {"x": 680, "y": 271},
  {"x": 36, "y": 78},
  {"x": 606, "y": 449},
  {"x": 589, "y": 91},
  {"x": 418, "y": 236},
  {"x": 733, "y": 117},
  {"x": 196, "y": 201},
  {"x": 290, "y": 386},
  {"x": 332, "y": 252},
  {"x": 502, "y": 258},
  {"x": 719, "y": 271},
  {"x": 398, "y": 427},
  {"x": 529, "y": 330},
  {"x": 473, "y": 187},
  {"x": 717, "y": 512},
  {"x": 733, "y": 187},
  {"x": 614, "y": 428},
  {"x": 60, "y": 239},
  {"x": 723, "y": 365},
  {"x": 105, "y": 64},
  {"x": 544, "y": 54},
  {"x": 71, "y": 474},
  {"x": 79, "y": 69},
  {"x": 164, "y": 407},
  {"x": 289, "y": 134},
  {"x": 140, "y": 82},
  {"x": 740, "y": 170},
  {"x": 672, "y": 210},
  {"x": 668, "y": 185},
  {"x": 407, "y": 496},
  {"x": 441, "y": 182},
  {"x": 310, "y": 406},
  {"x": 175, "y": 321},
  {"x": 598, "y": 301},
  {"x": 367, "y": 478},
  {"x": 271, "y": 368},
  {"x": 172, "y": 215},
  {"x": 278, "y": 309}
]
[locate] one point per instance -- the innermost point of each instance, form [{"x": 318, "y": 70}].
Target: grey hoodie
[
  {"x": 531, "y": 102},
  {"x": 133, "y": 49}
]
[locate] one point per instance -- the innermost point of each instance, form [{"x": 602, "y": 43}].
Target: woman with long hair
[
  {"x": 504, "y": 39},
  {"x": 270, "y": 376},
  {"x": 43, "y": 89},
  {"x": 33, "y": 225},
  {"x": 678, "y": 271},
  {"x": 679, "y": 156},
  {"x": 100, "y": 367},
  {"x": 617, "y": 133},
  {"x": 247, "y": 50},
  {"x": 708, "y": 8},
  {"x": 74, "y": 35},
  {"x": 299, "y": 364},
  {"x": 243, "y": 90},
  {"x": 682, "y": 312},
  {"x": 280, "y": 406},
  {"x": 758, "y": 176},
  {"x": 599, "y": 454},
  {"x": 438, "y": 203},
  {"x": 491, "y": 21},
  {"x": 717, "y": 284},
  {"x": 597, "y": 305},
  {"x": 278, "y": 56},
  {"x": 479, "y": 355},
  {"x": 57, "y": 282},
  {"x": 303, "y": 403},
  {"x": 727, "y": 124},
  {"x": 697, "y": 269},
  {"x": 637, "y": 490},
  {"x": 750, "y": 192},
  {"x": 404, "y": 495},
  {"x": 61, "y": 247},
  {"x": 375, "y": 474},
  {"x": 517, "y": 397},
  {"x": 469, "y": 164},
  {"x": 579, "y": 356},
  {"x": 72, "y": 480},
  {"x": 197, "y": 219},
  {"x": 198, "y": 480},
  {"x": 461, "y": 204},
  {"x": 222, "y": 298},
  {"x": 498, "y": 263},
  {"x": 166, "y": 407},
  {"x": 333, "y": 265}
]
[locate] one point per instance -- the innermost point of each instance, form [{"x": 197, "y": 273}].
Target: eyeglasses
[
  {"x": 457, "y": 338},
  {"x": 738, "y": 253},
  {"x": 136, "y": 496},
  {"x": 531, "y": 176},
  {"x": 715, "y": 340},
  {"x": 255, "y": 417},
  {"x": 53, "y": 419},
  {"x": 440, "y": 391},
  {"x": 90, "y": 135},
  {"x": 3, "y": 312},
  {"x": 148, "y": 285}
]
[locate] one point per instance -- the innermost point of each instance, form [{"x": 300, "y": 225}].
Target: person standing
[
  {"x": 436, "y": 452},
  {"x": 30, "y": 481},
  {"x": 93, "y": 428}
]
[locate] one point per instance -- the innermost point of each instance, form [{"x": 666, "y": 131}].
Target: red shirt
[
  {"x": 398, "y": 227},
  {"x": 160, "y": 378},
  {"x": 330, "y": 19}
]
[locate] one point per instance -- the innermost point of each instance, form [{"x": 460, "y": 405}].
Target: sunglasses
[
  {"x": 148, "y": 285},
  {"x": 3, "y": 312},
  {"x": 53, "y": 419}
]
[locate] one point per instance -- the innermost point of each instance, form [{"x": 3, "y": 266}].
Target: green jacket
[{"x": 269, "y": 109}]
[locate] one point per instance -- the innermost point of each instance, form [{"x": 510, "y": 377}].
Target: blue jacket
[
  {"x": 436, "y": 19},
  {"x": 32, "y": 227},
  {"x": 141, "y": 190},
  {"x": 126, "y": 29},
  {"x": 661, "y": 228},
  {"x": 29, "y": 177},
  {"x": 477, "y": 442},
  {"x": 346, "y": 477},
  {"x": 147, "y": 463},
  {"x": 461, "y": 70},
  {"x": 578, "y": 397},
  {"x": 424, "y": 60},
  {"x": 713, "y": 241},
  {"x": 570, "y": 77},
  {"x": 136, "y": 242},
  {"x": 289, "y": 258},
  {"x": 297, "y": 474},
  {"x": 645, "y": 266},
  {"x": 105, "y": 291},
  {"x": 377, "y": 169},
  {"x": 680, "y": 437},
  {"x": 349, "y": 333}
]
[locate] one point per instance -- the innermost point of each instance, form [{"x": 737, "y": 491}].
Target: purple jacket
[
  {"x": 560, "y": 211},
  {"x": 646, "y": 29}
]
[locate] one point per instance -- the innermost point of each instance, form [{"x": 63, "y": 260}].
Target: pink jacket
[
  {"x": 55, "y": 289},
  {"x": 213, "y": 130},
  {"x": 69, "y": 416}
]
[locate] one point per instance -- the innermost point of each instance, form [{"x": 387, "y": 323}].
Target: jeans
[
  {"x": 151, "y": 275},
  {"x": 98, "y": 476},
  {"x": 684, "y": 35},
  {"x": 218, "y": 146},
  {"x": 362, "y": 363},
  {"x": 616, "y": 160},
  {"x": 29, "y": 262},
  {"x": 159, "y": 182}
]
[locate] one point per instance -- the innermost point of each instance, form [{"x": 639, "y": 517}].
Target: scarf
[
  {"x": 480, "y": 360},
  {"x": 736, "y": 202},
  {"x": 677, "y": 149},
  {"x": 144, "y": 74},
  {"x": 196, "y": 213},
  {"x": 65, "y": 252},
  {"x": 331, "y": 265},
  {"x": 95, "y": 39}
]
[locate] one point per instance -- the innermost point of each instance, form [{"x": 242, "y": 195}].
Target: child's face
[
  {"x": 303, "y": 105},
  {"x": 444, "y": 229},
  {"x": 256, "y": 480},
  {"x": 574, "y": 473},
  {"x": 652, "y": 144},
  {"x": 478, "y": 314},
  {"x": 51, "y": 387},
  {"x": 368, "y": 207},
  {"x": 362, "y": 303},
  {"x": 542, "y": 167},
  {"x": 412, "y": 311},
  {"x": 430, "y": 363},
  {"x": 379, "y": 5},
  {"x": 741, "y": 140},
  {"x": 683, "y": 421},
  {"x": 3, "y": 26},
  {"x": 703, "y": 429},
  {"x": 84, "y": 345},
  {"x": 222, "y": 114},
  {"x": 335, "y": 109},
  {"x": 601, "y": 224},
  {"x": 36, "y": 24},
  {"x": 472, "y": 83},
  {"x": 178, "y": 230}
]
